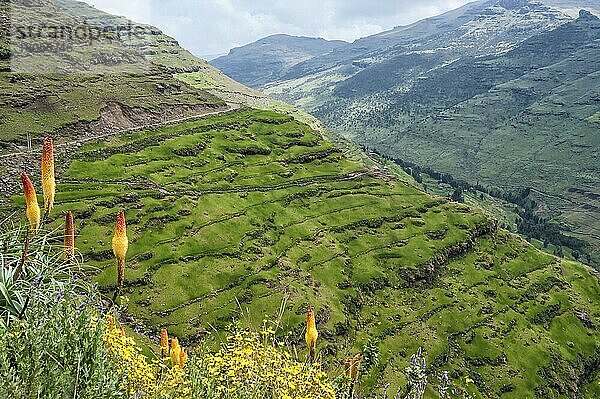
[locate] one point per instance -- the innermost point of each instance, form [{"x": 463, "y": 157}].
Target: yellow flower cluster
[
  {"x": 141, "y": 378},
  {"x": 247, "y": 364}
]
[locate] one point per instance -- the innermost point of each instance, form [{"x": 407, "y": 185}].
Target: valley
[
  {"x": 243, "y": 210},
  {"x": 497, "y": 94}
]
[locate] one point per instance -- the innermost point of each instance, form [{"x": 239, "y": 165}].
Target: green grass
[{"x": 217, "y": 231}]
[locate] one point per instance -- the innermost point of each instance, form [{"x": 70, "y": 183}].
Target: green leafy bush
[{"x": 56, "y": 351}]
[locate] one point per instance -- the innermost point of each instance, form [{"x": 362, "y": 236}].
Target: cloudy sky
[{"x": 210, "y": 28}]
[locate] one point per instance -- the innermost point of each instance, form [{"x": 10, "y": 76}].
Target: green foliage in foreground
[
  {"x": 64, "y": 344},
  {"x": 28, "y": 267},
  {"x": 246, "y": 209},
  {"x": 49, "y": 347},
  {"x": 56, "y": 353}
]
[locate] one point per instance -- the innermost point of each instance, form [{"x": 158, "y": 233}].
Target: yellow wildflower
[
  {"x": 120, "y": 244},
  {"x": 164, "y": 343},
  {"x": 352, "y": 366},
  {"x": 248, "y": 365},
  {"x": 182, "y": 358},
  {"x": 175, "y": 351}
]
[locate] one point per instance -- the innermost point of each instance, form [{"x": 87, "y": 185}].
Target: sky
[{"x": 210, "y": 28}]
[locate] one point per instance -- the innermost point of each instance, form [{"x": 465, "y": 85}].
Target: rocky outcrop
[
  {"x": 568, "y": 377},
  {"x": 427, "y": 270}
]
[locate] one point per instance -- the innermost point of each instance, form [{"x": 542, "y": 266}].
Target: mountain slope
[
  {"x": 533, "y": 106},
  {"x": 136, "y": 70},
  {"x": 118, "y": 81},
  {"x": 269, "y": 58},
  {"x": 252, "y": 209},
  {"x": 492, "y": 80},
  {"x": 572, "y": 7},
  {"x": 249, "y": 212},
  {"x": 477, "y": 28}
]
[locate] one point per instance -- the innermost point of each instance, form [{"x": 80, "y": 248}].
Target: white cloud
[
  {"x": 212, "y": 27},
  {"x": 137, "y": 10}
]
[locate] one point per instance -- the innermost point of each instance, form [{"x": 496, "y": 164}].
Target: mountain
[
  {"x": 131, "y": 73},
  {"x": 534, "y": 107},
  {"x": 572, "y": 7},
  {"x": 77, "y": 89},
  {"x": 460, "y": 92},
  {"x": 477, "y": 28},
  {"x": 251, "y": 214},
  {"x": 130, "y": 65},
  {"x": 269, "y": 58}
]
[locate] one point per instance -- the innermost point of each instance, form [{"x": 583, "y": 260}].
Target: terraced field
[{"x": 251, "y": 211}]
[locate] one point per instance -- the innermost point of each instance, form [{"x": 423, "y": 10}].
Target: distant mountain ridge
[
  {"x": 476, "y": 28},
  {"x": 269, "y": 58},
  {"x": 572, "y": 7}
]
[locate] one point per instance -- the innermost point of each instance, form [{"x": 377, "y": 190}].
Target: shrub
[
  {"x": 31, "y": 265},
  {"x": 51, "y": 344},
  {"x": 56, "y": 351}
]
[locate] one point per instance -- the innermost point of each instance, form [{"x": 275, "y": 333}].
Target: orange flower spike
[
  {"x": 33, "y": 209},
  {"x": 120, "y": 244},
  {"x": 122, "y": 332},
  {"x": 348, "y": 367},
  {"x": 311, "y": 334},
  {"x": 69, "y": 236},
  {"x": 175, "y": 351},
  {"x": 48, "y": 181},
  {"x": 355, "y": 365},
  {"x": 182, "y": 358},
  {"x": 164, "y": 342}
]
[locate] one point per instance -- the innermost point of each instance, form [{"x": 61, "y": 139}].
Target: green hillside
[
  {"x": 93, "y": 89},
  {"x": 251, "y": 209},
  {"x": 514, "y": 125},
  {"x": 252, "y": 214},
  {"x": 116, "y": 81}
]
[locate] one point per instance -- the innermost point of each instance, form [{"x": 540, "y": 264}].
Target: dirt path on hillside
[
  {"x": 231, "y": 107},
  {"x": 15, "y": 162}
]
